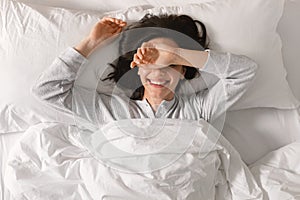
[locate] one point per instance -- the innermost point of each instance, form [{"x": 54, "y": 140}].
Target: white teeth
[{"x": 158, "y": 83}]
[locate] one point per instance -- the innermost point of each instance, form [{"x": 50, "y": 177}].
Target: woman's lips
[{"x": 158, "y": 83}]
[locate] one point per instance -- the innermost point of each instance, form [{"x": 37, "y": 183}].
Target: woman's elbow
[{"x": 38, "y": 92}]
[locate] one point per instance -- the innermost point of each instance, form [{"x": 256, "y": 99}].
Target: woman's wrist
[{"x": 86, "y": 47}]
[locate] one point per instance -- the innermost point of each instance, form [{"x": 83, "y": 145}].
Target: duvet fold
[{"x": 54, "y": 161}]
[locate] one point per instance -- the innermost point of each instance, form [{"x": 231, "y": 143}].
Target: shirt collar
[{"x": 166, "y": 104}]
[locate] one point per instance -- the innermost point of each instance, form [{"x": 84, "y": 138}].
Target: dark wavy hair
[{"x": 150, "y": 27}]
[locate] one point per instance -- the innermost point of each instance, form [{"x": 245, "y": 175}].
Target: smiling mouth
[{"x": 158, "y": 84}]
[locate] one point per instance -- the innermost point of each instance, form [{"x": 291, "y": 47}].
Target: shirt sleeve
[
  {"x": 55, "y": 84},
  {"x": 235, "y": 73}
]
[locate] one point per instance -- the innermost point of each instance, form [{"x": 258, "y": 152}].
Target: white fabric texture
[
  {"x": 46, "y": 31},
  {"x": 256, "y": 132},
  {"x": 7, "y": 141},
  {"x": 278, "y": 173},
  {"x": 50, "y": 163}
]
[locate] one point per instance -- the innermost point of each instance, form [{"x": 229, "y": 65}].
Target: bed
[{"x": 263, "y": 127}]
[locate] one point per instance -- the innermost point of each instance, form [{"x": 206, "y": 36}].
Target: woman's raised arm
[
  {"x": 106, "y": 28},
  {"x": 55, "y": 84}
]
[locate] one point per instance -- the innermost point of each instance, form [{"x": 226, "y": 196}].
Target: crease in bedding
[
  {"x": 9, "y": 118},
  {"x": 50, "y": 162},
  {"x": 278, "y": 173}
]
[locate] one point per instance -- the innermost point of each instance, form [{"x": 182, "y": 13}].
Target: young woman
[
  {"x": 158, "y": 60},
  {"x": 162, "y": 60}
]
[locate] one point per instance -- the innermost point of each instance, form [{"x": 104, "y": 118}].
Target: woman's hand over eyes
[{"x": 153, "y": 55}]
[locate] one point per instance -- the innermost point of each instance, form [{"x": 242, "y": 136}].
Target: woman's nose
[{"x": 160, "y": 71}]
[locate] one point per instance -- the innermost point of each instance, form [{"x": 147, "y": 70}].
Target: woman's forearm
[
  {"x": 192, "y": 58},
  {"x": 86, "y": 47}
]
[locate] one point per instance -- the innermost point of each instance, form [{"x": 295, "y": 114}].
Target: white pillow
[{"x": 32, "y": 36}]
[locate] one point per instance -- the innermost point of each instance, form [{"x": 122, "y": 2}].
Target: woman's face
[{"x": 161, "y": 83}]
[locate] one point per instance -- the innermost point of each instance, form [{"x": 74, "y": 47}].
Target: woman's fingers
[
  {"x": 141, "y": 57},
  {"x": 153, "y": 53},
  {"x": 137, "y": 60},
  {"x": 146, "y": 54},
  {"x": 143, "y": 50},
  {"x": 110, "y": 27},
  {"x": 132, "y": 64},
  {"x": 117, "y": 30},
  {"x": 111, "y": 24},
  {"x": 115, "y": 21},
  {"x": 140, "y": 54}
]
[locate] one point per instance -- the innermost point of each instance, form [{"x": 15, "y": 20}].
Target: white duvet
[
  {"x": 56, "y": 161},
  {"x": 278, "y": 173}
]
